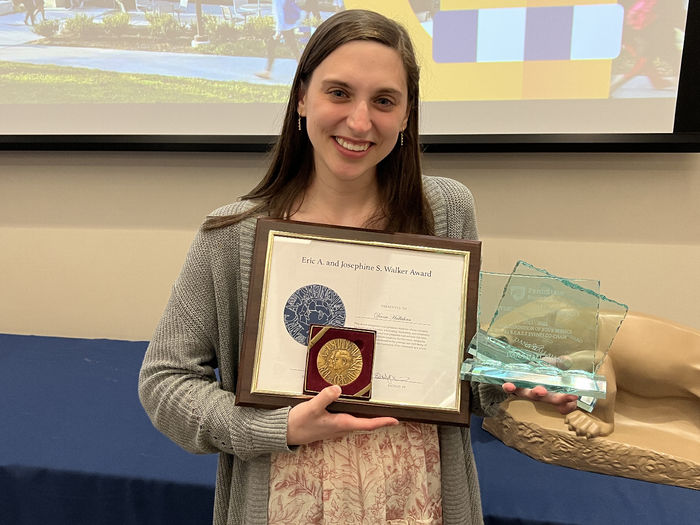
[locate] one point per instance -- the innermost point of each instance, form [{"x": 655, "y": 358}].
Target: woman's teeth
[{"x": 351, "y": 146}]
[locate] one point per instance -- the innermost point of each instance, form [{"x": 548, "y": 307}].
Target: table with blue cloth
[{"x": 77, "y": 448}]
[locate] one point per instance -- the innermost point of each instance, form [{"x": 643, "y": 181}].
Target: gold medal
[{"x": 339, "y": 362}]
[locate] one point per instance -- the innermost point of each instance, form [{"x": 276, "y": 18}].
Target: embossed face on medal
[
  {"x": 339, "y": 362},
  {"x": 312, "y": 304}
]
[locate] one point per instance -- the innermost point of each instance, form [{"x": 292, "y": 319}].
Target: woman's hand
[
  {"x": 310, "y": 421},
  {"x": 564, "y": 403}
]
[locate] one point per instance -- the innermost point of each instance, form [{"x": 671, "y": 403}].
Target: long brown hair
[{"x": 399, "y": 176}]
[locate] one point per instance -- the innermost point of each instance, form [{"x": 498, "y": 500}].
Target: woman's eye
[
  {"x": 337, "y": 93},
  {"x": 385, "y": 102}
]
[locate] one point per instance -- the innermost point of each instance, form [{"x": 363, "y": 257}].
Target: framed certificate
[{"x": 416, "y": 293}]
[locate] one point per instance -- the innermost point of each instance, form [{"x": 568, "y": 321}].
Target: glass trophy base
[{"x": 573, "y": 382}]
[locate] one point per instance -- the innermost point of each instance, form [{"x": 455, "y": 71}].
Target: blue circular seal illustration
[{"x": 312, "y": 304}]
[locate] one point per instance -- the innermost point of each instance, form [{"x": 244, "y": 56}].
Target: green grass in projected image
[{"x": 28, "y": 83}]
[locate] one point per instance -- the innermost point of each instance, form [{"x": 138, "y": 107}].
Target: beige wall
[{"x": 91, "y": 242}]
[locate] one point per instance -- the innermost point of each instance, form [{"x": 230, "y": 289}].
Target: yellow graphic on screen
[{"x": 510, "y": 49}]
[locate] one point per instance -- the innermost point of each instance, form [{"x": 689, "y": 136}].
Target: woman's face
[{"x": 355, "y": 105}]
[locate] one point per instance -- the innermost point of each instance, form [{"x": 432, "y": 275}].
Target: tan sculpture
[{"x": 647, "y": 427}]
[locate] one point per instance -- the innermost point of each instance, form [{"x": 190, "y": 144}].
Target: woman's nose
[{"x": 359, "y": 119}]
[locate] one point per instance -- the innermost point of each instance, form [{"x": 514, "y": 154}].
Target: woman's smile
[{"x": 353, "y": 146}]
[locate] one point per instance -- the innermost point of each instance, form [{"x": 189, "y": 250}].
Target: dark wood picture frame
[{"x": 247, "y": 396}]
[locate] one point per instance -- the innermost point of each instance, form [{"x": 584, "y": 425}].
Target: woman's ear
[
  {"x": 301, "y": 103},
  {"x": 404, "y": 122}
]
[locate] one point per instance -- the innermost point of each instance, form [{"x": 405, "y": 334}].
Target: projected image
[
  {"x": 238, "y": 53},
  {"x": 652, "y": 42},
  {"x": 54, "y": 51},
  {"x": 575, "y": 49},
  {"x": 553, "y": 52}
]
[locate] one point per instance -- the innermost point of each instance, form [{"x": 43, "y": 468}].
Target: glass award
[{"x": 535, "y": 328}]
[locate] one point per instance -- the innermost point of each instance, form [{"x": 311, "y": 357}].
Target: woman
[{"x": 348, "y": 155}]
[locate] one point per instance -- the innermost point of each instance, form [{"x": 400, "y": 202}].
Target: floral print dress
[{"x": 390, "y": 476}]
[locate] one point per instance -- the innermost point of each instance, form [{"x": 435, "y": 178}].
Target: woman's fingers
[
  {"x": 310, "y": 421},
  {"x": 345, "y": 423},
  {"x": 325, "y": 397},
  {"x": 564, "y": 403}
]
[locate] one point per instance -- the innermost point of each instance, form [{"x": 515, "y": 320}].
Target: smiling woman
[{"x": 348, "y": 155}]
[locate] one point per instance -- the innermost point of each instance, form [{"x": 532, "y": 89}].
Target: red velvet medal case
[{"x": 340, "y": 356}]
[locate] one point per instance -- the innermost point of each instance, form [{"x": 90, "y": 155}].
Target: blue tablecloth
[{"x": 76, "y": 448}]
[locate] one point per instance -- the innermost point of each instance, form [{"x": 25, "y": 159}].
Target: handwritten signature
[{"x": 393, "y": 379}]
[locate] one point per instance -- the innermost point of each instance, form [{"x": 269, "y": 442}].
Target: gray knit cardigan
[{"x": 201, "y": 330}]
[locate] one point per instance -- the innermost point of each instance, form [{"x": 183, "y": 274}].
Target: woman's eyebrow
[
  {"x": 330, "y": 82},
  {"x": 341, "y": 83}
]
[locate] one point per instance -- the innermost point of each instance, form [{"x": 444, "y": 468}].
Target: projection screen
[{"x": 184, "y": 70}]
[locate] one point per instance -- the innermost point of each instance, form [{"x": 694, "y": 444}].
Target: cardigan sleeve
[{"x": 178, "y": 387}]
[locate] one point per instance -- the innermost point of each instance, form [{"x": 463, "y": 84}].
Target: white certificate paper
[{"x": 414, "y": 298}]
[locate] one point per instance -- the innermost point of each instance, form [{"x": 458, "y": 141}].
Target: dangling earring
[
  {"x": 401, "y": 134},
  {"x": 299, "y": 122}
]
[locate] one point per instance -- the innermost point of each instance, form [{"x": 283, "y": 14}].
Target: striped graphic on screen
[{"x": 470, "y": 31}]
